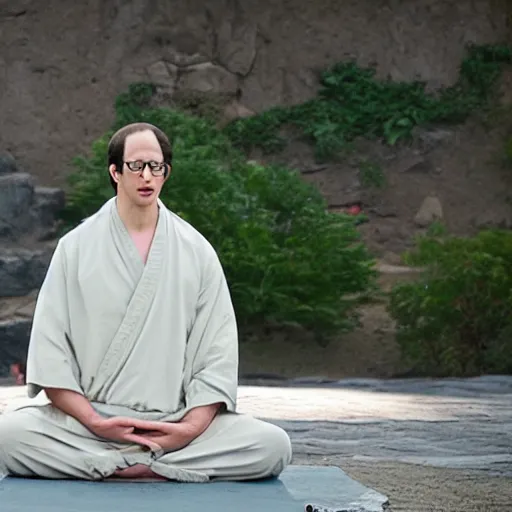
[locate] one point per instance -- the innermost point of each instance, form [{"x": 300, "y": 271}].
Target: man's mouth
[{"x": 146, "y": 191}]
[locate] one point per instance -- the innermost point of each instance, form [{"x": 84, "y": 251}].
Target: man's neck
[{"x": 136, "y": 219}]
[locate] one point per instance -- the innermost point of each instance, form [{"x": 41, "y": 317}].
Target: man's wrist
[
  {"x": 91, "y": 420},
  {"x": 198, "y": 419},
  {"x": 189, "y": 431},
  {"x": 74, "y": 404}
]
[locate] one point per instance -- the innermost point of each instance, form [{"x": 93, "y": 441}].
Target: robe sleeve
[
  {"x": 213, "y": 342},
  {"x": 51, "y": 361}
]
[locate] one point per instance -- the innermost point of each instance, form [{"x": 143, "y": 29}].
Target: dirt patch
[
  {"x": 421, "y": 489},
  {"x": 462, "y": 167},
  {"x": 369, "y": 351}
]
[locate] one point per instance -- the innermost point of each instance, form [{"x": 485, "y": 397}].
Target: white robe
[{"x": 149, "y": 341}]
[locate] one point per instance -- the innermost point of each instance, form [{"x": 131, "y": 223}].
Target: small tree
[
  {"x": 287, "y": 259},
  {"x": 457, "y": 319}
]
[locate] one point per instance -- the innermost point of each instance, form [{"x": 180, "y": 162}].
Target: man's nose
[{"x": 146, "y": 173}]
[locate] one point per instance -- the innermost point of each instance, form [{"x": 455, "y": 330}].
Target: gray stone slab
[
  {"x": 16, "y": 198},
  {"x": 22, "y": 271},
  {"x": 48, "y": 203},
  {"x": 449, "y": 423},
  {"x": 486, "y": 384}
]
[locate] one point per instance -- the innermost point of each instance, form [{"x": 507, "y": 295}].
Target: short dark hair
[{"x": 117, "y": 143}]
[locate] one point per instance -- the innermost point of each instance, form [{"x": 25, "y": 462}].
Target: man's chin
[{"x": 145, "y": 201}]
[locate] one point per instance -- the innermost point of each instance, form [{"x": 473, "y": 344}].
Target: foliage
[
  {"x": 457, "y": 320},
  {"x": 287, "y": 259},
  {"x": 437, "y": 228},
  {"x": 353, "y": 103}
]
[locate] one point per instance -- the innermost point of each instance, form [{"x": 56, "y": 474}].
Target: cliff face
[{"x": 64, "y": 62}]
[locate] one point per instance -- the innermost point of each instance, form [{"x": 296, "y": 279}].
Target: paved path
[{"x": 464, "y": 424}]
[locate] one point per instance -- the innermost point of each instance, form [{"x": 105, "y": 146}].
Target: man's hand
[
  {"x": 118, "y": 429},
  {"x": 168, "y": 436},
  {"x": 155, "y": 435},
  {"x": 175, "y": 436},
  {"x": 121, "y": 430}
]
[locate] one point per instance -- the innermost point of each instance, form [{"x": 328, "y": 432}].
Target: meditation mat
[{"x": 299, "y": 488}]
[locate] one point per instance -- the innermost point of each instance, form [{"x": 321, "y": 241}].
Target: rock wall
[
  {"x": 63, "y": 63},
  {"x": 27, "y": 241}
]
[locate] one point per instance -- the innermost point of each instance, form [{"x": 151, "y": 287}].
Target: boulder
[
  {"x": 14, "y": 340},
  {"x": 7, "y": 164},
  {"x": 163, "y": 75},
  {"x": 234, "y": 111},
  {"x": 26, "y": 209},
  {"x": 430, "y": 211},
  {"x": 16, "y": 199},
  {"x": 48, "y": 203},
  {"x": 22, "y": 271},
  {"x": 207, "y": 78}
]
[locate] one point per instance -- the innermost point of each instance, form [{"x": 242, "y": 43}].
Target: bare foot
[{"x": 139, "y": 471}]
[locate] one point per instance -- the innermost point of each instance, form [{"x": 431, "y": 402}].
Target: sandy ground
[{"x": 420, "y": 489}]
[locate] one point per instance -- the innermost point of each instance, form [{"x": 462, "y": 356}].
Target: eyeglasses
[{"x": 156, "y": 168}]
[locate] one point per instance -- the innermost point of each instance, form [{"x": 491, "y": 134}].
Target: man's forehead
[{"x": 141, "y": 141}]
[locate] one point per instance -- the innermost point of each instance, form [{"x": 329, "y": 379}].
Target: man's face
[{"x": 141, "y": 188}]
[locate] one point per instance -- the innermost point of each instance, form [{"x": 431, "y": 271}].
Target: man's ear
[
  {"x": 168, "y": 172},
  {"x": 113, "y": 173}
]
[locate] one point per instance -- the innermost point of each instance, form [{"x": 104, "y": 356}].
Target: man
[{"x": 134, "y": 343}]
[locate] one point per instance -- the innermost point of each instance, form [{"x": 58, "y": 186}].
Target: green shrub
[
  {"x": 287, "y": 259},
  {"x": 457, "y": 319},
  {"x": 353, "y": 103}
]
